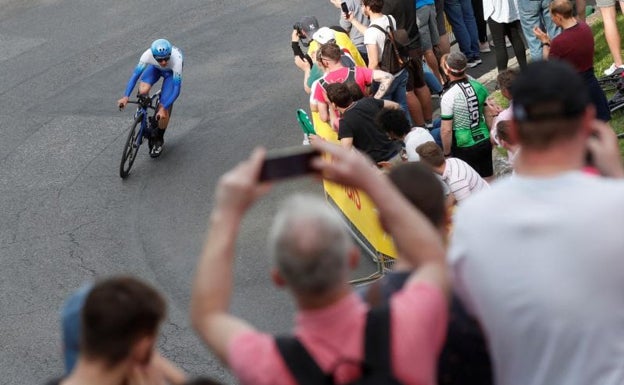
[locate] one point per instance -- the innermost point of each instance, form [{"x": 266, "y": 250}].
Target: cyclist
[{"x": 160, "y": 60}]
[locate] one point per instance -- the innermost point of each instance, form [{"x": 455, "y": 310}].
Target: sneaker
[
  {"x": 613, "y": 70},
  {"x": 507, "y": 43},
  {"x": 484, "y": 47},
  {"x": 156, "y": 150},
  {"x": 474, "y": 62}
]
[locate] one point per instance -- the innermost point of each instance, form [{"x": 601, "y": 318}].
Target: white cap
[{"x": 324, "y": 34}]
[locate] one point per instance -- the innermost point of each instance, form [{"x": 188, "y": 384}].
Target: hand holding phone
[
  {"x": 288, "y": 162},
  {"x": 345, "y": 9}
]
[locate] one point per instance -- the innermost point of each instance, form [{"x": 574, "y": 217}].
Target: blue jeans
[
  {"x": 397, "y": 92},
  {"x": 461, "y": 17},
  {"x": 432, "y": 82},
  {"x": 535, "y": 13},
  {"x": 435, "y": 132}
]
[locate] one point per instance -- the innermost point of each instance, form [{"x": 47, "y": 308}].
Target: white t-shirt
[
  {"x": 501, "y": 11},
  {"x": 540, "y": 262},
  {"x": 375, "y": 36},
  {"x": 462, "y": 179},
  {"x": 415, "y": 138}
]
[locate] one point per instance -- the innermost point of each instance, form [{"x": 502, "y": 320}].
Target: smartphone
[
  {"x": 288, "y": 162},
  {"x": 345, "y": 9}
]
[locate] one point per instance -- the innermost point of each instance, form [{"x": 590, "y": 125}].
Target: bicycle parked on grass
[
  {"x": 141, "y": 128},
  {"x": 614, "y": 82}
]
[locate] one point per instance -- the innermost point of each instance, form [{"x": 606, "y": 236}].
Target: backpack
[
  {"x": 350, "y": 78},
  {"x": 376, "y": 369},
  {"x": 395, "y": 53}
]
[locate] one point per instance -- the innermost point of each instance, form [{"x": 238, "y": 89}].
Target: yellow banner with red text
[{"x": 354, "y": 204}]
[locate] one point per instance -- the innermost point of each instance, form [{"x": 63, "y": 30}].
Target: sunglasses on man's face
[{"x": 165, "y": 59}]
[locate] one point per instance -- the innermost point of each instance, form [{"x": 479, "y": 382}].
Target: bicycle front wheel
[{"x": 130, "y": 149}]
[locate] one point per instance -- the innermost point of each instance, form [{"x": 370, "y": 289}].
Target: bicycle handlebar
[{"x": 144, "y": 101}]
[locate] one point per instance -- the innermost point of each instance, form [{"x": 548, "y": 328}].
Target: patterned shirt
[
  {"x": 462, "y": 179},
  {"x": 463, "y": 104}
]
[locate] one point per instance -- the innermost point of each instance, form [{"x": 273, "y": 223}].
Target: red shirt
[
  {"x": 576, "y": 46},
  {"x": 363, "y": 77}
]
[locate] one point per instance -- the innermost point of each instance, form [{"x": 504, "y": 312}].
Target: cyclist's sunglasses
[{"x": 165, "y": 59}]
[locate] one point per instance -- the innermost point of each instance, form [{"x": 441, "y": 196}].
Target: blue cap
[{"x": 70, "y": 323}]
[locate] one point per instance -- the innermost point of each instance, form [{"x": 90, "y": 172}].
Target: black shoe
[
  {"x": 474, "y": 62},
  {"x": 156, "y": 149}
]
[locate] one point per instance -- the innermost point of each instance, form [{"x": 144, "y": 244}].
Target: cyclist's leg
[
  {"x": 148, "y": 78},
  {"x": 166, "y": 90}
]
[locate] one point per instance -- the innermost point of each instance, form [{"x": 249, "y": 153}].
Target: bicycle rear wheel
[{"x": 130, "y": 149}]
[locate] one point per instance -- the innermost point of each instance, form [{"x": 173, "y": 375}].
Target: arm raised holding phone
[{"x": 238, "y": 189}]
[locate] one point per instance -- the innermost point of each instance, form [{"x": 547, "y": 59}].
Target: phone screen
[{"x": 288, "y": 162}]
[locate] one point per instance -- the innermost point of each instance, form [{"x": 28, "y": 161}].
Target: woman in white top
[{"x": 503, "y": 19}]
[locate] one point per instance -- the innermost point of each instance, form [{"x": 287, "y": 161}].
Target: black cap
[{"x": 549, "y": 90}]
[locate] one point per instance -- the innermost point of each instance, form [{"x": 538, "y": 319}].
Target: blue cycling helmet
[{"x": 161, "y": 49}]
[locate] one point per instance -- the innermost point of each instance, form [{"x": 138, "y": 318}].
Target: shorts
[
  {"x": 427, "y": 27},
  {"x": 416, "y": 76},
  {"x": 606, "y": 3},
  {"x": 478, "y": 157},
  {"x": 152, "y": 74},
  {"x": 439, "y": 7}
]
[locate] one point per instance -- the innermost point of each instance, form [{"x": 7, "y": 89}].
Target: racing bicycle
[{"x": 140, "y": 129}]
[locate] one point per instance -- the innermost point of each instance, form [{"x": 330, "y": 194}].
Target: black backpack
[
  {"x": 350, "y": 79},
  {"x": 395, "y": 54},
  {"x": 376, "y": 369}
]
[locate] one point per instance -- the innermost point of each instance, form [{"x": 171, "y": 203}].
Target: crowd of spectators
[{"x": 496, "y": 281}]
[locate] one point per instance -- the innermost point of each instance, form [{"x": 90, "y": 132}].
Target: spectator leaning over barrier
[
  {"x": 312, "y": 254},
  {"x": 464, "y": 132},
  {"x": 547, "y": 287},
  {"x": 357, "y": 126},
  {"x": 335, "y": 72}
]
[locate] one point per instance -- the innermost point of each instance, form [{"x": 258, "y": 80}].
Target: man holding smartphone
[
  {"x": 353, "y": 7},
  {"x": 357, "y": 127},
  {"x": 312, "y": 252}
]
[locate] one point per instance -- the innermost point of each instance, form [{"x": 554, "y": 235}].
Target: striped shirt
[{"x": 462, "y": 179}]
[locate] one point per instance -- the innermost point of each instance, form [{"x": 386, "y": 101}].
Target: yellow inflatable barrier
[{"x": 356, "y": 206}]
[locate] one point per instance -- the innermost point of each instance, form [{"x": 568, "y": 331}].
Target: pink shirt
[
  {"x": 334, "y": 336},
  {"x": 363, "y": 77},
  {"x": 506, "y": 114}
]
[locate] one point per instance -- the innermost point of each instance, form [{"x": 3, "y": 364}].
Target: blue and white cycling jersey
[{"x": 149, "y": 71}]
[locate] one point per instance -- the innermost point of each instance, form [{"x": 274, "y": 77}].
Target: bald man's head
[{"x": 562, "y": 8}]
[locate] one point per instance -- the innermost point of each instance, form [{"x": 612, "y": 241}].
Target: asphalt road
[{"x": 66, "y": 216}]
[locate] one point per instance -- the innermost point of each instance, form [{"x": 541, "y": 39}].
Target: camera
[{"x": 299, "y": 27}]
